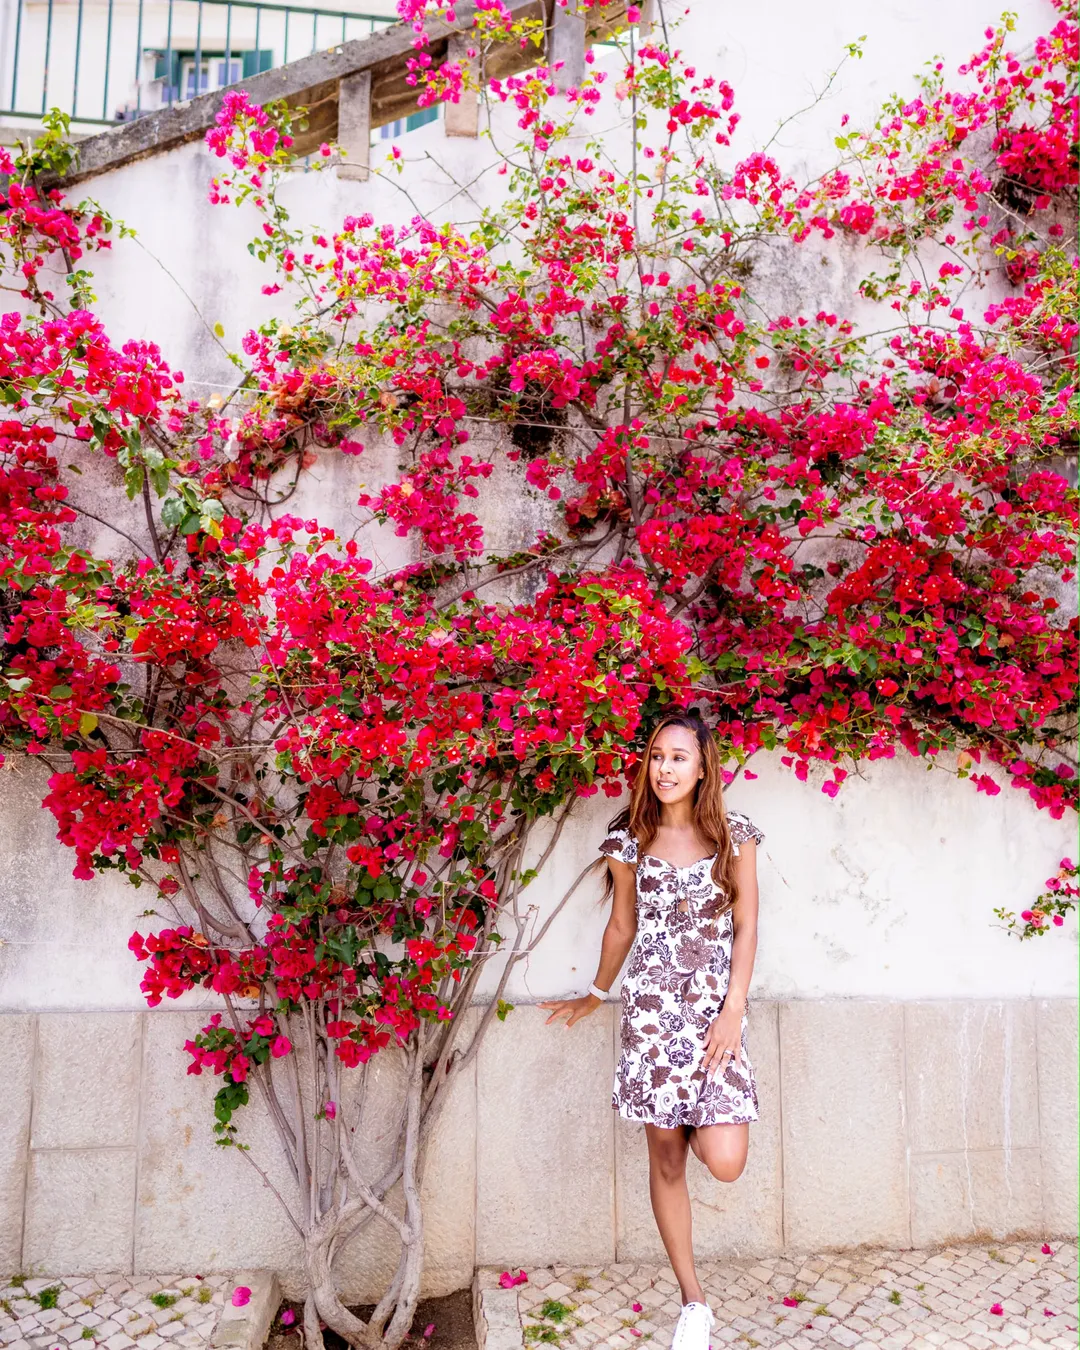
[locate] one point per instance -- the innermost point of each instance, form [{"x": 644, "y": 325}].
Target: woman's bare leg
[
  {"x": 722, "y": 1148},
  {"x": 671, "y": 1206}
]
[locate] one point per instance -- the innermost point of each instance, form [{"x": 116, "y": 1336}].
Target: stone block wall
[{"x": 901, "y": 1123}]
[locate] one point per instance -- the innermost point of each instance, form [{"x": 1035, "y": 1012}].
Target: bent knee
[{"x": 728, "y": 1169}]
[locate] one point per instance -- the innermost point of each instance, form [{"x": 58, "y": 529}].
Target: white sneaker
[{"x": 693, "y": 1327}]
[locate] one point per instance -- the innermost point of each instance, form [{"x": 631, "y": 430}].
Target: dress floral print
[{"x": 675, "y": 984}]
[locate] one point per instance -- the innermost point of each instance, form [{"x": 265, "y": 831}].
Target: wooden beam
[
  {"x": 463, "y": 117},
  {"x": 566, "y": 44},
  {"x": 354, "y": 125},
  {"x": 314, "y": 83}
]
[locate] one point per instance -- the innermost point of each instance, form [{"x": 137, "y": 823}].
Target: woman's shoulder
[
  {"x": 621, "y": 845},
  {"x": 743, "y": 828}
]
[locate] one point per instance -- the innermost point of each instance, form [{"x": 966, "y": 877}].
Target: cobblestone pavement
[
  {"x": 954, "y": 1298},
  {"x": 114, "y": 1311}
]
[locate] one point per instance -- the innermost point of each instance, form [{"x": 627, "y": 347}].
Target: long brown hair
[{"x": 642, "y": 817}]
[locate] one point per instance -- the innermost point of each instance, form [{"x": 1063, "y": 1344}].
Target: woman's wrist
[{"x": 596, "y": 992}]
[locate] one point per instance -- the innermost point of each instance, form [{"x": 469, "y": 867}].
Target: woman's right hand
[{"x": 573, "y": 1009}]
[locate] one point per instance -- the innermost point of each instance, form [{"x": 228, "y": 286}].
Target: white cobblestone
[
  {"x": 110, "y": 1312},
  {"x": 945, "y": 1300}
]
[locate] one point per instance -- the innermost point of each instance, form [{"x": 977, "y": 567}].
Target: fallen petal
[
  {"x": 241, "y": 1295},
  {"x": 997, "y": 1309}
]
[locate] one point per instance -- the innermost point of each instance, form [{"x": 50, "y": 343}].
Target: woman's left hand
[{"x": 723, "y": 1042}]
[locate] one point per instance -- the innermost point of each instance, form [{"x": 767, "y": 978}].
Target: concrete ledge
[
  {"x": 247, "y": 1328},
  {"x": 496, "y": 1313}
]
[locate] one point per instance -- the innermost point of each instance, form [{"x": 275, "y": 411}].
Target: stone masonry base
[{"x": 885, "y": 1124}]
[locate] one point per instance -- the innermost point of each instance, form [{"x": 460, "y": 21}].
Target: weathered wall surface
[
  {"x": 917, "y": 1066},
  {"x": 882, "y": 1122}
]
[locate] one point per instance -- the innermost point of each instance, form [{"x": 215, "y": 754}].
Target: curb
[
  {"x": 495, "y": 1313},
  {"x": 247, "y": 1328}
]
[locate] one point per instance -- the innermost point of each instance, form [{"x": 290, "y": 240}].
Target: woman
[{"x": 683, "y": 876}]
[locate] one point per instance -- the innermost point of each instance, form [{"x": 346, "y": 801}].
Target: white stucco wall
[{"x": 886, "y": 892}]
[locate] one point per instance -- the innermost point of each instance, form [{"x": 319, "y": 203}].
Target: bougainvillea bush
[{"x": 842, "y": 540}]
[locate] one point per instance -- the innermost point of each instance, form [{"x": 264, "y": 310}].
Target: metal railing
[{"x": 113, "y": 63}]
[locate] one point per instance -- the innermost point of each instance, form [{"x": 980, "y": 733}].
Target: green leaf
[
  {"x": 133, "y": 480},
  {"x": 61, "y": 691},
  {"x": 173, "y": 512},
  {"x": 88, "y": 723},
  {"x": 219, "y": 330}
]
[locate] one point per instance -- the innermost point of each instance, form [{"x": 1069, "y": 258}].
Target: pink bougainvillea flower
[
  {"x": 429, "y": 1329},
  {"x": 636, "y": 1307},
  {"x": 1047, "y": 1250},
  {"x": 634, "y": 1331},
  {"x": 1049, "y": 1312},
  {"x": 330, "y": 1110},
  {"x": 790, "y": 1302},
  {"x": 288, "y": 1317},
  {"x": 241, "y": 1295},
  {"x": 507, "y": 1281},
  {"x": 997, "y": 1309}
]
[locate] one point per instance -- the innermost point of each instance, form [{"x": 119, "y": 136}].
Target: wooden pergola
[{"x": 356, "y": 86}]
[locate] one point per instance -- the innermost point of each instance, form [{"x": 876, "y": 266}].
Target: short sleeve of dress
[
  {"x": 742, "y": 828},
  {"x": 620, "y": 845}
]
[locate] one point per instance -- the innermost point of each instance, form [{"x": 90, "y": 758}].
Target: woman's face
[{"x": 674, "y": 765}]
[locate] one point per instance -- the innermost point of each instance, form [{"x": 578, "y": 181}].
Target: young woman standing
[{"x": 683, "y": 879}]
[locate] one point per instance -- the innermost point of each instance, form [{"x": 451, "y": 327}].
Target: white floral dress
[{"x": 675, "y": 984}]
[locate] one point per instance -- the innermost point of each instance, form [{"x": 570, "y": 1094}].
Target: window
[
  {"x": 214, "y": 73},
  {"x": 177, "y": 81}
]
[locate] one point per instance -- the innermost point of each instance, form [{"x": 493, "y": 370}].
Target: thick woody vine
[{"x": 845, "y": 541}]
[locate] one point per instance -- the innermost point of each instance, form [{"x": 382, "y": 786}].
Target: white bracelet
[{"x": 601, "y": 994}]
